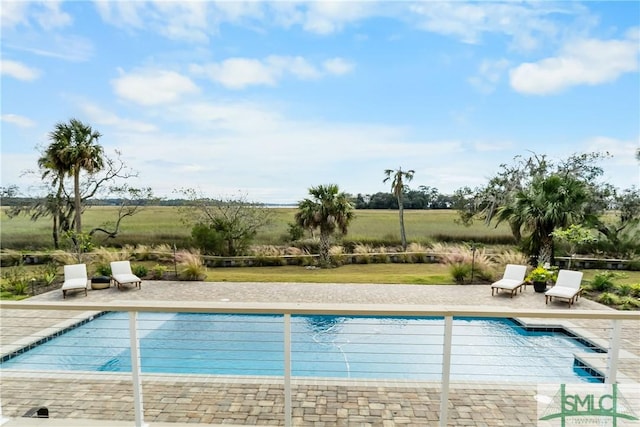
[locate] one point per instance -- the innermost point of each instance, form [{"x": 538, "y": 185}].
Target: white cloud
[
  {"x": 239, "y": 73},
  {"x": 121, "y": 13},
  {"x": 13, "y": 13},
  {"x": 101, "y": 116},
  {"x": 528, "y": 24},
  {"x": 622, "y": 152},
  {"x": 153, "y": 87},
  {"x": 51, "y": 16},
  {"x": 18, "y": 70},
  {"x": 586, "y": 61},
  {"x": 338, "y": 66},
  {"x": 46, "y": 14},
  {"x": 489, "y": 75},
  {"x": 326, "y": 17},
  {"x": 20, "y": 121}
]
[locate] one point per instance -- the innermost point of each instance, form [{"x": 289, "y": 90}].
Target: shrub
[
  {"x": 629, "y": 303},
  {"x": 208, "y": 239},
  {"x": 622, "y": 289},
  {"x": 363, "y": 258},
  {"x": 635, "y": 290},
  {"x": 47, "y": 273},
  {"x": 103, "y": 269},
  {"x": 608, "y": 298},
  {"x": 603, "y": 281},
  {"x": 381, "y": 258},
  {"x": 157, "y": 271},
  {"x": 540, "y": 274},
  {"x": 140, "y": 270},
  {"x": 295, "y": 231},
  {"x": 15, "y": 279},
  {"x": 460, "y": 271}
]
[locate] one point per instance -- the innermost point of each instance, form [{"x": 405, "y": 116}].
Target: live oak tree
[{"x": 224, "y": 226}]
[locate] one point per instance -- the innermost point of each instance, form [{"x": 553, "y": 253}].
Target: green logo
[{"x": 589, "y": 407}]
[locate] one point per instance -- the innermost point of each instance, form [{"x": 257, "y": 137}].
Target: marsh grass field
[{"x": 162, "y": 225}]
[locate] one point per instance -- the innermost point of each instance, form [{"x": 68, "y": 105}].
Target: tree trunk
[
  {"x": 77, "y": 201},
  {"x": 515, "y": 231},
  {"x": 56, "y": 241},
  {"x": 546, "y": 252},
  {"x": 324, "y": 250},
  {"x": 403, "y": 236}
]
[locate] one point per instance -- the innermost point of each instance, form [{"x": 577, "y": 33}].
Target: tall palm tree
[
  {"x": 53, "y": 167},
  {"x": 397, "y": 178},
  {"x": 78, "y": 150},
  {"x": 329, "y": 210},
  {"x": 556, "y": 201}
]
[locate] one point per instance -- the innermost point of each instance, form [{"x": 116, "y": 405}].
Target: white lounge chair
[
  {"x": 567, "y": 287},
  {"x": 75, "y": 277},
  {"x": 121, "y": 274},
  {"x": 512, "y": 279}
]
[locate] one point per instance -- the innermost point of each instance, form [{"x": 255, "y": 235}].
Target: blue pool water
[{"x": 322, "y": 346}]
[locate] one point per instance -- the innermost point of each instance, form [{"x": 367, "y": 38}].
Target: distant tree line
[{"x": 424, "y": 197}]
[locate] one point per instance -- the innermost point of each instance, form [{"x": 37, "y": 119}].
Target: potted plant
[{"x": 540, "y": 276}]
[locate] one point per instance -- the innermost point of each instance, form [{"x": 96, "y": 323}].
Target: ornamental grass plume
[{"x": 192, "y": 265}]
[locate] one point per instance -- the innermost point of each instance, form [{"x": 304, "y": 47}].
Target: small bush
[
  {"x": 364, "y": 258},
  {"x": 47, "y": 273},
  {"x": 295, "y": 231},
  {"x": 603, "y": 281},
  {"x": 622, "y": 289},
  {"x": 460, "y": 271},
  {"x": 103, "y": 269},
  {"x": 157, "y": 271},
  {"x": 629, "y": 303},
  {"x": 140, "y": 270},
  {"x": 608, "y": 298},
  {"x": 381, "y": 258}
]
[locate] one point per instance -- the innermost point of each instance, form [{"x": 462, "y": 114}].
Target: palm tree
[
  {"x": 556, "y": 201},
  {"x": 53, "y": 166},
  {"x": 397, "y": 188},
  {"x": 329, "y": 210},
  {"x": 75, "y": 148}
]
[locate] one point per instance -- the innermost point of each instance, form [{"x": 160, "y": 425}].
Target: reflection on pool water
[{"x": 322, "y": 346}]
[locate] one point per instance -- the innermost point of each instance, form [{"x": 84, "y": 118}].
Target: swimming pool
[{"x": 322, "y": 346}]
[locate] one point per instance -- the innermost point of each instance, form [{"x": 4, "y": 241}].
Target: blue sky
[{"x": 268, "y": 99}]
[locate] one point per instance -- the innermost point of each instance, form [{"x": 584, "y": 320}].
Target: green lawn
[{"x": 424, "y": 274}]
